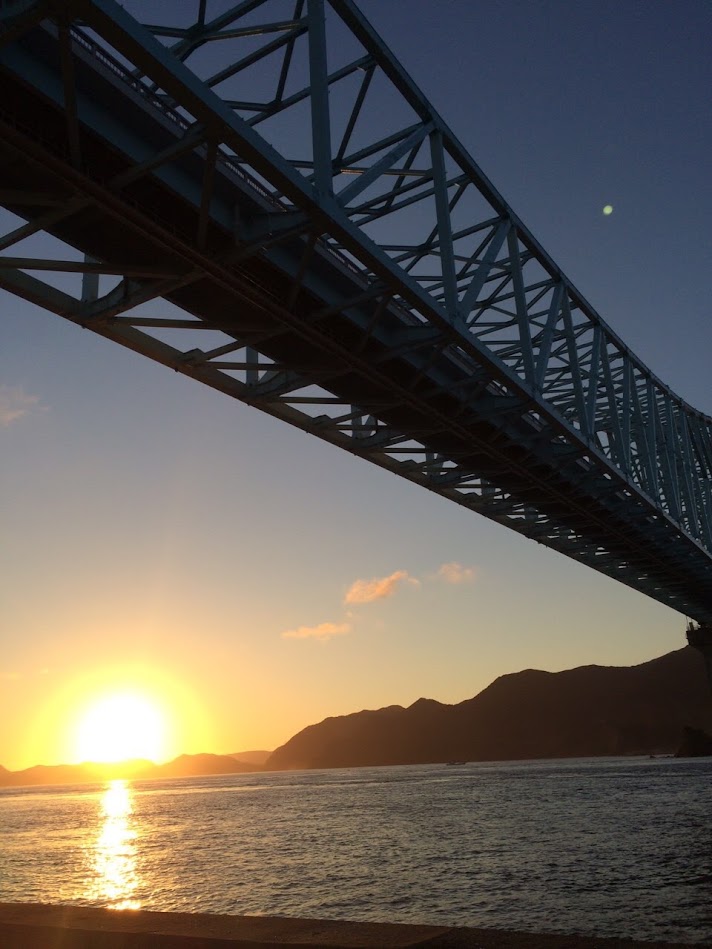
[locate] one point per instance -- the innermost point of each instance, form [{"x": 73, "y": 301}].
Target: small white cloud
[
  {"x": 323, "y": 631},
  {"x": 454, "y": 572},
  {"x": 10, "y": 676},
  {"x": 14, "y": 403},
  {"x": 366, "y": 591}
]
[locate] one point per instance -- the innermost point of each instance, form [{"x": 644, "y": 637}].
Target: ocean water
[{"x": 609, "y": 847}]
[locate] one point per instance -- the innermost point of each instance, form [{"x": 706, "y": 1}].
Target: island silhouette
[
  {"x": 660, "y": 707},
  {"x": 137, "y": 769}
]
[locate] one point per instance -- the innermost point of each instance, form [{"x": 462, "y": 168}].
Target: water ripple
[{"x": 609, "y": 847}]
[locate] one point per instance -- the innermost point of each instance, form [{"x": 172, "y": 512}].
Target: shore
[{"x": 33, "y": 925}]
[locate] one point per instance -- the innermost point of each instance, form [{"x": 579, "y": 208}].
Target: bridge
[{"x": 266, "y": 202}]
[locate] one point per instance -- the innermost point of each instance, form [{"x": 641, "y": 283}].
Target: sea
[{"x": 605, "y": 847}]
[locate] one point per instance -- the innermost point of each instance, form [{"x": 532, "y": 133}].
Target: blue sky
[{"x": 155, "y": 528}]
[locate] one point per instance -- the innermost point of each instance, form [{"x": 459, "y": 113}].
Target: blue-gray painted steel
[{"x": 343, "y": 264}]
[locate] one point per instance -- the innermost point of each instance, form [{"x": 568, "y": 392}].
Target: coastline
[{"x": 29, "y": 925}]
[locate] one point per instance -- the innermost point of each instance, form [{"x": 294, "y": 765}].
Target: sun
[{"x": 119, "y": 727}]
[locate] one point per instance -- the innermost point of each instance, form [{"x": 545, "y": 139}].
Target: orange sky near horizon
[{"x": 159, "y": 708}]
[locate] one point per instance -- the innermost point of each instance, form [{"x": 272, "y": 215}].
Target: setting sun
[
  {"x": 119, "y": 727},
  {"x": 114, "y": 713}
]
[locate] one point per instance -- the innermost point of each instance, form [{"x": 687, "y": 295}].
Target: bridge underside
[{"x": 283, "y": 306}]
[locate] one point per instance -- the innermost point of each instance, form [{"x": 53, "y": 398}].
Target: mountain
[
  {"x": 193, "y": 765},
  {"x": 139, "y": 770},
  {"x": 87, "y": 773},
  {"x": 590, "y": 710},
  {"x": 251, "y": 757}
]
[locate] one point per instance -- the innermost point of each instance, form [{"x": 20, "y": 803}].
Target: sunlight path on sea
[
  {"x": 608, "y": 847},
  {"x": 115, "y": 880}
]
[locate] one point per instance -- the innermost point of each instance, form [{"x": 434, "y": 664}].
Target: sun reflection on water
[{"x": 116, "y": 879}]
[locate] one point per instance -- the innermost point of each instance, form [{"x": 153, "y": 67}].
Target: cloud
[
  {"x": 14, "y": 403},
  {"x": 322, "y": 632},
  {"x": 454, "y": 572},
  {"x": 366, "y": 591}
]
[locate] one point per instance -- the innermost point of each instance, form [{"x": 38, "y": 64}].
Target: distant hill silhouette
[
  {"x": 193, "y": 765},
  {"x": 140, "y": 770},
  {"x": 251, "y": 757},
  {"x": 652, "y": 708},
  {"x": 588, "y": 711}
]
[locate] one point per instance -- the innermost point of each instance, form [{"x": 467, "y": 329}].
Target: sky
[{"x": 251, "y": 580}]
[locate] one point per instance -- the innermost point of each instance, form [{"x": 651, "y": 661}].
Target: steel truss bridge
[{"x": 262, "y": 199}]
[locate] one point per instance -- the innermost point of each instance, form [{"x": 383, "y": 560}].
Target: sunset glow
[{"x": 121, "y": 726}]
